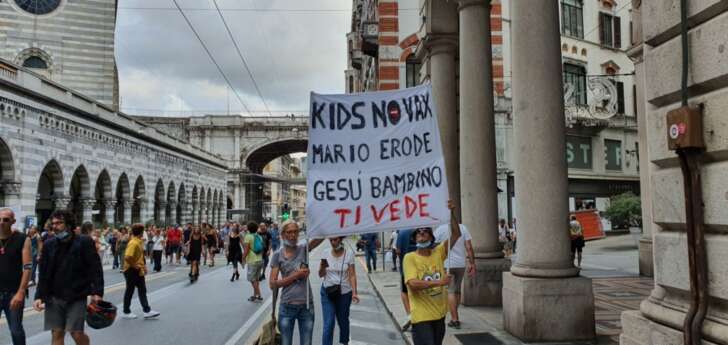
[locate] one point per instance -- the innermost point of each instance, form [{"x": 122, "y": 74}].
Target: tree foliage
[{"x": 625, "y": 210}]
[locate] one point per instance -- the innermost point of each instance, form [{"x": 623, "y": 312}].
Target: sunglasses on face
[{"x": 6, "y": 220}]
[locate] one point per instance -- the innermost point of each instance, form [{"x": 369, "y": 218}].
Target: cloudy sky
[{"x": 291, "y": 46}]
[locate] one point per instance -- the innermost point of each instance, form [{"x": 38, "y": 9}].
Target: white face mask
[
  {"x": 290, "y": 243},
  {"x": 339, "y": 246}
]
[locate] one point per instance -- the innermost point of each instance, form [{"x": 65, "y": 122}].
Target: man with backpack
[{"x": 253, "y": 248}]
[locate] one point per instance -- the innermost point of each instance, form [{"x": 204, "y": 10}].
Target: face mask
[
  {"x": 290, "y": 243},
  {"x": 424, "y": 245},
  {"x": 62, "y": 235},
  {"x": 339, "y": 246}
]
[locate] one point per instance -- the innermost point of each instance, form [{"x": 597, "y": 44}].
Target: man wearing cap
[{"x": 427, "y": 281}]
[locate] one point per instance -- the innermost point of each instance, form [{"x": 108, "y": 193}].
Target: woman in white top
[
  {"x": 157, "y": 249},
  {"x": 338, "y": 290}
]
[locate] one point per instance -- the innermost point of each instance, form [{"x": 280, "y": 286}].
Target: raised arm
[{"x": 454, "y": 226}]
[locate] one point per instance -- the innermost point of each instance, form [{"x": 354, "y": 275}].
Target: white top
[
  {"x": 158, "y": 245},
  {"x": 338, "y": 270},
  {"x": 457, "y": 253}
]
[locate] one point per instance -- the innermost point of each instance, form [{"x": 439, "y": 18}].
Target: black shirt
[
  {"x": 11, "y": 262},
  {"x": 61, "y": 272}
]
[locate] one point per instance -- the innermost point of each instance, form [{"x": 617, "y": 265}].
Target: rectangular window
[
  {"x": 620, "y": 96},
  {"x": 576, "y": 76},
  {"x": 572, "y": 18},
  {"x": 613, "y": 152},
  {"x": 579, "y": 152},
  {"x": 413, "y": 73},
  {"x": 610, "y": 30}
]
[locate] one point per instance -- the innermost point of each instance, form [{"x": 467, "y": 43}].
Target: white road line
[{"x": 251, "y": 320}]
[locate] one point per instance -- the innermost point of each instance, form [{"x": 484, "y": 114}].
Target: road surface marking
[{"x": 251, "y": 320}]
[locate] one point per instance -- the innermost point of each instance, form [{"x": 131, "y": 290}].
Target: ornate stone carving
[
  {"x": 61, "y": 202},
  {"x": 88, "y": 204},
  {"x": 10, "y": 187},
  {"x": 109, "y": 204}
]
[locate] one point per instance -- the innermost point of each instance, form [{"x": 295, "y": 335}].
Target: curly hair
[{"x": 68, "y": 218}]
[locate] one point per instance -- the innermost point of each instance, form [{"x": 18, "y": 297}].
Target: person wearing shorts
[
  {"x": 253, "y": 260},
  {"x": 461, "y": 258},
  {"x": 577, "y": 240},
  {"x": 69, "y": 271}
]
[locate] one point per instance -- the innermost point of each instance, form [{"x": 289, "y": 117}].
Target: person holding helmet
[
  {"x": 427, "y": 281},
  {"x": 69, "y": 271},
  {"x": 100, "y": 314}
]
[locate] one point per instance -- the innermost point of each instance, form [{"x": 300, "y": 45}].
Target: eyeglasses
[
  {"x": 6, "y": 220},
  {"x": 58, "y": 222}
]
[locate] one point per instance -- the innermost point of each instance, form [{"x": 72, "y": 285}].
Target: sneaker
[
  {"x": 129, "y": 316},
  {"x": 151, "y": 314}
]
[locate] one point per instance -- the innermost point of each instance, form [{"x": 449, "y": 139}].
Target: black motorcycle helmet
[{"x": 100, "y": 315}]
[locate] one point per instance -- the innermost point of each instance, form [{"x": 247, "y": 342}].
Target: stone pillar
[
  {"x": 172, "y": 213},
  {"x": 479, "y": 190},
  {"x": 127, "y": 212},
  {"x": 87, "y": 208},
  {"x": 543, "y": 282},
  {"x": 162, "y": 212},
  {"x": 11, "y": 190},
  {"x": 61, "y": 202},
  {"x": 109, "y": 207},
  {"x": 193, "y": 213},
  {"x": 143, "y": 211},
  {"x": 441, "y": 53}
]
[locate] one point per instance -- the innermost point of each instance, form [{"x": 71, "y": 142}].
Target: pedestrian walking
[
  {"x": 113, "y": 245},
  {"x": 148, "y": 239},
  {"x": 212, "y": 244},
  {"x": 69, "y": 271},
  {"x": 577, "y": 240},
  {"x": 405, "y": 244},
  {"x": 235, "y": 252},
  {"x": 296, "y": 305},
  {"x": 393, "y": 249},
  {"x": 36, "y": 246},
  {"x": 275, "y": 236},
  {"x": 426, "y": 278},
  {"x": 371, "y": 243},
  {"x": 253, "y": 248},
  {"x": 157, "y": 249},
  {"x": 267, "y": 247},
  {"x": 174, "y": 240},
  {"x": 505, "y": 237},
  {"x": 135, "y": 269},
  {"x": 460, "y": 262},
  {"x": 195, "y": 246},
  {"x": 186, "y": 233},
  {"x": 15, "y": 269},
  {"x": 122, "y": 243},
  {"x": 338, "y": 290}
]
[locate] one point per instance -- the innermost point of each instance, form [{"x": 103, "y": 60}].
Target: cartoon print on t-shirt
[{"x": 428, "y": 275}]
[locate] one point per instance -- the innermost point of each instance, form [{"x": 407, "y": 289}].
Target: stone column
[
  {"x": 87, "y": 207},
  {"x": 108, "y": 217},
  {"x": 193, "y": 213},
  {"x": 441, "y": 53},
  {"x": 143, "y": 211},
  {"x": 172, "y": 212},
  {"x": 11, "y": 190},
  {"x": 543, "y": 282},
  {"x": 127, "y": 212},
  {"x": 478, "y": 183},
  {"x": 162, "y": 212},
  {"x": 60, "y": 202}
]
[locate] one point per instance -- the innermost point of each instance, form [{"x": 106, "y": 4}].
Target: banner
[{"x": 374, "y": 163}]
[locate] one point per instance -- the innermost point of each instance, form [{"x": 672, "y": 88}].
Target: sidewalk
[{"x": 484, "y": 325}]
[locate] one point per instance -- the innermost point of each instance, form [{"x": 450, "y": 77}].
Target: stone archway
[
  {"x": 7, "y": 174},
  {"x": 104, "y": 199},
  {"x": 80, "y": 195},
  {"x": 49, "y": 196},
  {"x": 139, "y": 202},
  {"x": 122, "y": 214}
]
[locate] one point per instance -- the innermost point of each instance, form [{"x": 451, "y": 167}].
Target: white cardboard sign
[{"x": 375, "y": 163}]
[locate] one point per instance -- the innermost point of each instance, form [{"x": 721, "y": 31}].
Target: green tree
[{"x": 625, "y": 210}]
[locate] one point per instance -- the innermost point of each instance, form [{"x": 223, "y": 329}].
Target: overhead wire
[
  {"x": 242, "y": 58},
  {"x": 204, "y": 46}
]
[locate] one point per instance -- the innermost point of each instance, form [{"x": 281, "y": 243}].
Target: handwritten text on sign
[{"x": 374, "y": 163}]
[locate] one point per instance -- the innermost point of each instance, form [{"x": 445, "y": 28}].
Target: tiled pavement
[{"x": 612, "y": 296}]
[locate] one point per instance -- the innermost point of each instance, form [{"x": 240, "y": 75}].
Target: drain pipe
[{"x": 689, "y": 149}]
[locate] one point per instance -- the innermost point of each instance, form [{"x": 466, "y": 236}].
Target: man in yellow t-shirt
[
  {"x": 427, "y": 281},
  {"x": 134, "y": 271},
  {"x": 253, "y": 260}
]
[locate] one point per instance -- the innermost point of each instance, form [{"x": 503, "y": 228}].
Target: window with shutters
[
  {"x": 610, "y": 30},
  {"x": 413, "y": 73},
  {"x": 572, "y": 18},
  {"x": 576, "y": 76},
  {"x": 620, "y": 96}
]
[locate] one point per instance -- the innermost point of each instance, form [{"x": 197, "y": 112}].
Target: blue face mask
[
  {"x": 424, "y": 245},
  {"x": 290, "y": 243},
  {"x": 62, "y": 236}
]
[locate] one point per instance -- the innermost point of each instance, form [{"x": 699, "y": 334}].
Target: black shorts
[{"x": 577, "y": 245}]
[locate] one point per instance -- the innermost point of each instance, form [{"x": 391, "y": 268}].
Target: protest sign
[{"x": 374, "y": 163}]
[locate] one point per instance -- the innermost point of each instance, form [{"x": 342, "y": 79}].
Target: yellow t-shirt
[
  {"x": 428, "y": 304},
  {"x": 252, "y": 257},
  {"x": 135, "y": 250}
]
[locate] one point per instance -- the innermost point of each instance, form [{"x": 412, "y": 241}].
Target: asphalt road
[{"x": 211, "y": 311}]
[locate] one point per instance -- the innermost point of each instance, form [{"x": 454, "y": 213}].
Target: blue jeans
[
  {"x": 287, "y": 317},
  {"x": 338, "y": 311},
  {"x": 371, "y": 256},
  {"x": 14, "y": 318}
]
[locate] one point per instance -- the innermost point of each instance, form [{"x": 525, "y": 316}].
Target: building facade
[
  {"x": 62, "y": 150},
  {"x": 658, "y": 51},
  {"x": 68, "y": 41}
]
